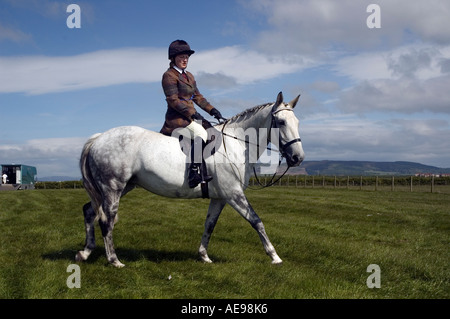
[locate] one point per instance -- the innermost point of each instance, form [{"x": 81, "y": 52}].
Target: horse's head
[{"x": 284, "y": 119}]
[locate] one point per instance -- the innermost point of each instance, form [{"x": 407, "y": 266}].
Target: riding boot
[{"x": 197, "y": 168}]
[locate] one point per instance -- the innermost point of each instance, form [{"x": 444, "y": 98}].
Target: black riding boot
[{"x": 197, "y": 168}]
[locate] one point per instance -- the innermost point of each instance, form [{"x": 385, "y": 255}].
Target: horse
[{"x": 116, "y": 161}]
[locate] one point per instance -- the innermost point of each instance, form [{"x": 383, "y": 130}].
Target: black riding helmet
[{"x": 179, "y": 47}]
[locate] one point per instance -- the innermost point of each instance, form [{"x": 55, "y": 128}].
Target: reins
[{"x": 280, "y": 150}]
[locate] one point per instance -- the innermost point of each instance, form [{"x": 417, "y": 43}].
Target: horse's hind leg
[
  {"x": 243, "y": 207},
  {"x": 89, "y": 219},
  {"x": 106, "y": 222},
  {"x": 214, "y": 210}
]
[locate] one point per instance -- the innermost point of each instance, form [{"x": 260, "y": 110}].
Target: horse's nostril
[{"x": 295, "y": 158}]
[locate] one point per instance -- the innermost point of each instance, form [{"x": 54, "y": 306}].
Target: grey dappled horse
[{"x": 114, "y": 162}]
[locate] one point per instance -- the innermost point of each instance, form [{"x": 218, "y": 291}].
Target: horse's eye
[{"x": 281, "y": 123}]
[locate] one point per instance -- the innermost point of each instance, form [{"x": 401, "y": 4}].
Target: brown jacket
[{"x": 180, "y": 95}]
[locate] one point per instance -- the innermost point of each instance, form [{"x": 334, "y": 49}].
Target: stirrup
[{"x": 194, "y": 176}]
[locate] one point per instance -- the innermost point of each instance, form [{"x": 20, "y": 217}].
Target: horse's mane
[{"x": 247, "y": 113}]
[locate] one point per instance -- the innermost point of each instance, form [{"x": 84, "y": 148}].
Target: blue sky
[{"x": 378, "y": 94}]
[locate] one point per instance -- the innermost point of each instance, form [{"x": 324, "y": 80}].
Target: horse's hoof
[
  {"x": 80, "y": 256},
  {"x": 277, "y": 262},
  {"x": 118, "y": 264},
  {"x": 206, "y": 259}
]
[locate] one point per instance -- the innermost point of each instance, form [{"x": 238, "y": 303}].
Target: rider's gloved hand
[
  {"x": 197, "y": 117},
  {"x": 215, "y": 112}
]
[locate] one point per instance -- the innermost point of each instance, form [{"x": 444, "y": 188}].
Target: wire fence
[
  {"x": 59, "y": 185},
  {"x": 374, "y": 183},
  {"x": 370, "y": 183}
]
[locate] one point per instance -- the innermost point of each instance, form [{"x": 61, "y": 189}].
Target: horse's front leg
[
  {"x": 240, "y": 203},
  {"x": 214, "y": 210}
]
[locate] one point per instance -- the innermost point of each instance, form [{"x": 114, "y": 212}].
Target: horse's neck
[{"x": 258, "y": 123}]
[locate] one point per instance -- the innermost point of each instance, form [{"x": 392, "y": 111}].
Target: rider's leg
[{"x": 197, "y": 171}]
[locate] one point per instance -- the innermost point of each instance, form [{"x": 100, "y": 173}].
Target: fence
[
  {"x": 374, "y": 183},
  {"x": 59, "y": 185}
]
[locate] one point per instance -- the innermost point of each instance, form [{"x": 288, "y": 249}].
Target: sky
[{"x": 374, "y": 82}]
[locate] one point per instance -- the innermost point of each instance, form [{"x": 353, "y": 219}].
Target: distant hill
[{"x": 364, "y": 168}]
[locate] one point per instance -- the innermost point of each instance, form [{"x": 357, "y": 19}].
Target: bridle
[
  {"x": 274, "y": 125},
  {"x": 282, "y": 148}
]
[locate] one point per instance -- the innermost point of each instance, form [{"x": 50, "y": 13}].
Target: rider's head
[{"x": 179, "y": 53}]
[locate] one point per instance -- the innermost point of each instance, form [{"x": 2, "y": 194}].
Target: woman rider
[{"x": 181, "y": 91}]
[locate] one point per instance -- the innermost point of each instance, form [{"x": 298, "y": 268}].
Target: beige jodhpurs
[{"x": 194, "y": 130}]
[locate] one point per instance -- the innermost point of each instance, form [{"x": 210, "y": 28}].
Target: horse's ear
[
  {"x": 294, "y": 101},
  {"x": 279, "y": 100}
]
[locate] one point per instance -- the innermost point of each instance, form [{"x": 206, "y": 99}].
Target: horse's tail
[{"x": 89, "y": 183}]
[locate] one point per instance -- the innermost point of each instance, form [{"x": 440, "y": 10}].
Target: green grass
[{"x": 326, "y": 238}]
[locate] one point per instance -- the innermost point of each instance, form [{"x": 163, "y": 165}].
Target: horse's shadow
[{"x": 127, "y": 255}]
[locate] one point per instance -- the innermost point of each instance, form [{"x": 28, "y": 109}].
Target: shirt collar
[{"x": 178, "y": 69}]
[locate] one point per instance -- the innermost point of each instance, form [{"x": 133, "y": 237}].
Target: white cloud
[
  {"x": 421, "y": 61},
  {"x": 406, "y": 96},
  {"x": 44, "y": 74},
  {"x": 407, "y": 79},
  {"x": 247, "y": 66},
  {"x": 52, "y": 156},
  {"x": 317, "y": 26},
  {"x": 346, "y": 137}
]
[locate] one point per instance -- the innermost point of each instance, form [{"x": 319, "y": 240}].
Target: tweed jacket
[{"x": 180, "y": 97}]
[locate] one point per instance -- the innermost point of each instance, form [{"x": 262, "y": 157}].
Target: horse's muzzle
[{"x": 294, "y": 155}]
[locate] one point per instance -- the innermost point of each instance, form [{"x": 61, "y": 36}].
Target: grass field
[{"x": 326, "y": 237}]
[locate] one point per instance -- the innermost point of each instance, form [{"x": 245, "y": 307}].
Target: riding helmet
[{"x": 179, "y": 47}]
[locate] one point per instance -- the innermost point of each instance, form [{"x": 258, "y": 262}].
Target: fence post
[
  {"x": 348, "y": 181},
  {"x": 360, "y": 184},
  {"x": 376, "y": 183},
  {"x": 392, "y": 186},
  {"x": 313, "y": 181},
  {"x": 432, "y": 183},
  {"x": 411, "y": 184}
]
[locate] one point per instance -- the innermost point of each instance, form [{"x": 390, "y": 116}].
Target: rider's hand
[
  {"x": 215, "y": 112},
  {"x": 197, "y": 117}
]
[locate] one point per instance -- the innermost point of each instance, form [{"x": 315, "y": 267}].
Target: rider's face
[{"x": 181, "y": 61}]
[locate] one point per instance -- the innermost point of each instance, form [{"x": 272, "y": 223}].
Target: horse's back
[
  {"x": 116, "y": 151},
  {"x": 146, "y": 158}
]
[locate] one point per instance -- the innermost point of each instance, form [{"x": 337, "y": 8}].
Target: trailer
[{"x": 17, "y": 176}]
